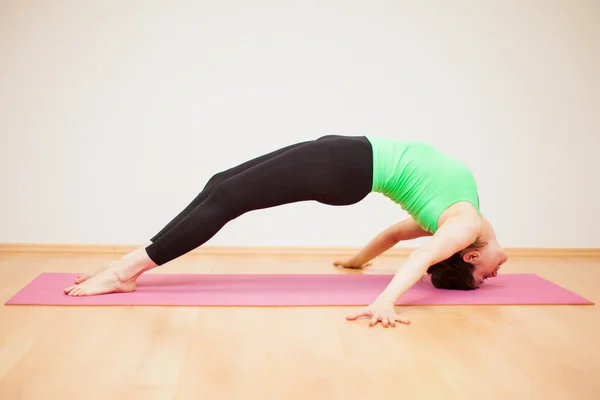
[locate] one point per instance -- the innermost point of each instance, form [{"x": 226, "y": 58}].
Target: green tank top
[{"x": 421, "y": 179}]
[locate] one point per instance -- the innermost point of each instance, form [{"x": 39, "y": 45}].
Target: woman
[{"x": 438, "y": 192}]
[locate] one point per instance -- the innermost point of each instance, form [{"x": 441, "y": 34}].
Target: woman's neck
[{"x": 487, "y": 231}]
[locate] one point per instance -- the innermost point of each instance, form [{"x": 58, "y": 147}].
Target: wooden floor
[{"x": 469, "y": 352}]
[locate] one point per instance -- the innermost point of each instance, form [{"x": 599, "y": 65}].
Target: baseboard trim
[{"x": 276, "y": 251}]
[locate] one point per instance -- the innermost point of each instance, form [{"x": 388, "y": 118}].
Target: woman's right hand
[{"x": 351, "y": 264}]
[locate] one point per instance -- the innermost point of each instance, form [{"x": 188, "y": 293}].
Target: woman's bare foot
[
  {"x": 120, "y": 276},
  {"x": 105, "y": 282},
  {"x": 87, "y": 275}
]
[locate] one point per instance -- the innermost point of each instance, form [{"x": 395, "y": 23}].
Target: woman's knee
[
  {"x": 216, "y": 180},
  {"x": 328, "y": 137},
  {"x": 223, "y": 194}
]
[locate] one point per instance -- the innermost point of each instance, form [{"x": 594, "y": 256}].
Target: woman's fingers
[
  {"x": 364, "y": 313},
  {"x": 386, "y": 319},
  {"x": 402, "y": 320},
  {"x": 346, "y": 264},
  {"x": 374, "y": 319}
]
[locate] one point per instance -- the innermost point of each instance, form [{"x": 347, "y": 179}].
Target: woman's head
[{"x": 469, "y": 268}]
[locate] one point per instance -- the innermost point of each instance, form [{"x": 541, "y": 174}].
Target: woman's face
[{"x": 487, "y": 261}]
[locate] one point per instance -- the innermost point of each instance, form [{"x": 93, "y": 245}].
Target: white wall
[{"x": 114, "y": 114}]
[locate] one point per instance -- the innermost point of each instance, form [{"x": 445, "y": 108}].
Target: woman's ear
[{"x": 470, "y": 256}]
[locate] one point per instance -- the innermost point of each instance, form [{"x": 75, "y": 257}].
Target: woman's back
[{"x": 421, "y": 179}]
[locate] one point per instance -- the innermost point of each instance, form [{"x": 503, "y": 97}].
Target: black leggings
[{"x": 333, "y": 170}]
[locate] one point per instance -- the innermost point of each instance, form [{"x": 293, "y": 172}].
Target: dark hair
[{"x": 455, "y": 273}]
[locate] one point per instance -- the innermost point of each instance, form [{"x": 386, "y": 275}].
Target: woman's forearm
[
  {"x": 406, "y": 229},
  {"x": 375, "y": 247},
  {"x": 408, "y": 274},
  {"x": 455, "y": 234}
]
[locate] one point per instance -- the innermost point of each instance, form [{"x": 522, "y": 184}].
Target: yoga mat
[{"x": 155, "y": 289}]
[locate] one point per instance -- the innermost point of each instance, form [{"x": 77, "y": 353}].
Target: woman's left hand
[
  {"x": 351, "y": 264},
  {"x": 380, "y": 311}
]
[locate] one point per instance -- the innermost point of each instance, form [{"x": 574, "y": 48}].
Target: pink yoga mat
[{"x": 155, "y": 289}]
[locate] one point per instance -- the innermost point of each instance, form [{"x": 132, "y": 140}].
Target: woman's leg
[
  {"x": 210, "y": 185},
  {"x": 216, "y": 180},
  {"x": 334, "y": 170}
]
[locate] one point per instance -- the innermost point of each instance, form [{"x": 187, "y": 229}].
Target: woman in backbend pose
[{"x": 438, "y": 192}]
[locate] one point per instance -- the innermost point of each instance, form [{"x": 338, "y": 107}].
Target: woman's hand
[
  {"x": 351, "y": 264},
  {"x": 380, "y": 311}
]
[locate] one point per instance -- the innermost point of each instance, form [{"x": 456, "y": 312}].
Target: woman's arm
[
  {"x": 455, "y": 234},
  {"x": 406, "y": 229}
]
